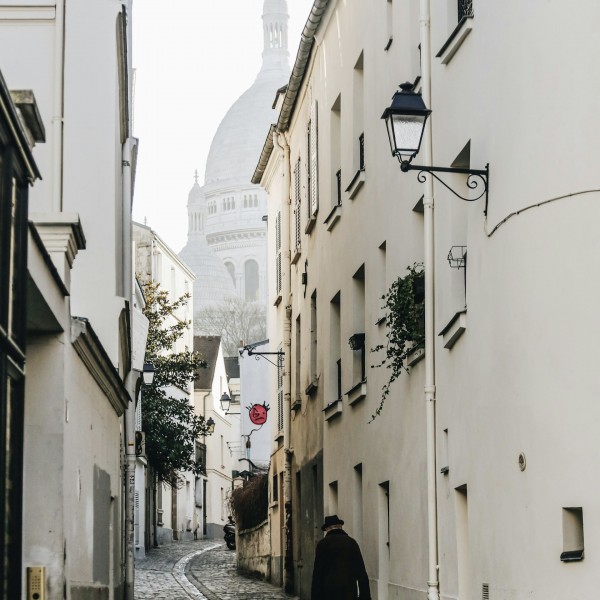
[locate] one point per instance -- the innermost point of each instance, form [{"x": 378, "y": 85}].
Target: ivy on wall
[{"x": 405, "y": 326}]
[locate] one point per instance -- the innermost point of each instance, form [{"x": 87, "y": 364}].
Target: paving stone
[{"x": 198, "y": 570}]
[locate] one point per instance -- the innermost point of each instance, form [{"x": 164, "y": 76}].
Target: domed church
[{"x": 225, "y": 215}]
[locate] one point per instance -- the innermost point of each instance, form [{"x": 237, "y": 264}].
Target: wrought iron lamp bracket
[
  {"x": 258, "y": 355},
  {"x": 476, "y": 178}
]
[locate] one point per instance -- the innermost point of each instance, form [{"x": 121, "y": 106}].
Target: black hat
[{"x": 330, "y": 521}]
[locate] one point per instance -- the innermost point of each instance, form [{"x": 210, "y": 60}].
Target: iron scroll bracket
[{"x": 477, "y": 178}]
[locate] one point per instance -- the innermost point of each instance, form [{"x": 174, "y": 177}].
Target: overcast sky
[{"x": 193, "y": 59}]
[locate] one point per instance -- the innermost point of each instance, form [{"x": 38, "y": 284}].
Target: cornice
[{"x": 94, "y": 357}]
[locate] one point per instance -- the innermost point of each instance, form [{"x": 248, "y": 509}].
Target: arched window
[{"x": 251, "y": 280}]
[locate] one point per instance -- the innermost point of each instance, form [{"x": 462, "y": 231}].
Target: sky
[{"x": 192, "y": 60}]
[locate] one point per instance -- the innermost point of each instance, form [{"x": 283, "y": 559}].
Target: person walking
[{"x": 339, "y": 571}]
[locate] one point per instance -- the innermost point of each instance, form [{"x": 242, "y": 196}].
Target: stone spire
[{"x": 275, "y": 28}]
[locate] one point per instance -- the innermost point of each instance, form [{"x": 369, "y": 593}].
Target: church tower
[{"x": 225, "y": 214}]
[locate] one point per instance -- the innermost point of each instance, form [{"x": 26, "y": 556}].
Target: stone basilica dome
[
  {"x": 227, "y": 246},
  {"x": 213, "y": 282},
  {"x": 239, "y": 139}
]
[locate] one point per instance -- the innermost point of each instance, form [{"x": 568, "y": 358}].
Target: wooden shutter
[{"x": 313, "y": 161}]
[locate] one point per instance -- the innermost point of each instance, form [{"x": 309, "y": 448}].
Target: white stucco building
[
  {"x": 173, "y": 516},
  {"x": 227, "y": 211},
  {"x": 80, "y": 378},
  {"x": 477, "y": 484},
  {"x": 220, "y": 451}
]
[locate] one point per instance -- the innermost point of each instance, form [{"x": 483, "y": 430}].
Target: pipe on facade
[
  {"x": 281, "y": 143},
  {"x": 433, "y": 587},
  {"x": 58, "y": 105}
]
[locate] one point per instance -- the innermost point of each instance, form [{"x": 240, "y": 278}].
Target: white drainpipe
[
  {"x": 281, "y": 143},
  {"x": 433, "y": 586}
]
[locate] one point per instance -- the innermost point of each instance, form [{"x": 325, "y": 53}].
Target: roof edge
[{"x": 296, "y": 78}]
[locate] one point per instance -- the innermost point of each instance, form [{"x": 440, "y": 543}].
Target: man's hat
[{"x": 330, "y": 521}]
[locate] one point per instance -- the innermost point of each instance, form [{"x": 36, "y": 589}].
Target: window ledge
[
  {"x": 274, "y": 504},
  {"x": 279, "y": 436},
  {"x": 454, "y": 329},
  {"x": 357, "y": 393},
  {"x": 381, "y": 320},
  {"x": 571, "y": 555},
  {"x": 296, "y": 255},
  {"x": 297, "y": 404},
  {"x": 389, "y": 44},
  {"x": 311, "y": 223},
  {"x": 312, "y": 387},
  {"x": 415, "y": 356},
  {"x": 333, "y": 409},
  {"x": 277, "y": 300},
  {"x": 333, "y": 217},
  {"x": 357, "y": 182},
  {"x": 454, "y": 42}
]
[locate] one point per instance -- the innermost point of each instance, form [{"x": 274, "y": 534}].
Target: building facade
[
  {"x": 172, "y": 518},
  {"x": 221, "y": 450},
  {"x": 453, "y": 501},
  {"x": 74, "y": 505}
]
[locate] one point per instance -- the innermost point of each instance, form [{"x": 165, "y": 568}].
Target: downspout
[
  {"x": 133, "y": 385},
  {"x": 280, "y": 141},
  {"x": 433, "y": 587},
  {"x": 58, "y": 106}
]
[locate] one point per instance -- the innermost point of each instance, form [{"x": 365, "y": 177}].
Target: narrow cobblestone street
[{"x": 202, "y": 570}]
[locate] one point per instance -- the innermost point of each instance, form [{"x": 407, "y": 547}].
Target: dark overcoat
[{"x": 339, "y": 572}]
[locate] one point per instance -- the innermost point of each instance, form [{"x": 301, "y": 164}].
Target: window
[
  {"x": 201, "y": 457},
  {"x": 251, "y": 280},
  {"x": 313, "y": 339},
  {"x": 297, "y": 205},
  {"x": 389, "y": 24},
  {"x": 335, "y": 368},
  {"x": 313, "y": 163},
  {"x": 384, "y": 536},
  {"x": 279, "y": 399},
  {"x": 275, "y": 489},
  {"x": 358, "y": 307},
  {"x": 333, "y": 498},
  {"x": 357, "y": 522},
  {"x": 358, "y": 115},
  {"x": 278, "y": 254},
  {"x": 298, "y": 361},
  {"x": 335, "y": 144},
  {"x": 572, "y": 534}
]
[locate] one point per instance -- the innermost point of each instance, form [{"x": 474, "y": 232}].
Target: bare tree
[{"x": 236, "y": 321}]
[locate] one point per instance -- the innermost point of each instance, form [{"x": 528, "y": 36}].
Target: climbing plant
[
  {"x": 405, "y": 326},
  {"x": 169, "y": 422}
]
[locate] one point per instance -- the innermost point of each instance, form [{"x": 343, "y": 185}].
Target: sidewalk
[{"x": 200, "y": 570}]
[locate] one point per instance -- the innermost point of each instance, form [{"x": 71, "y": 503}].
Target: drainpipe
[
  {"x": 433, "y": 591},
  {"x": 58, "y": 106},
  {"x": 282, "y": 144},
  {"x": 133, "y": 379}
]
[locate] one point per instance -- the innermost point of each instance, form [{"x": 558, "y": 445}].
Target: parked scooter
[{"x": 229, "y": 536}]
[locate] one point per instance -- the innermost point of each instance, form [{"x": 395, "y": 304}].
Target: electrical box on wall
[{"x": 36, "y": 583}]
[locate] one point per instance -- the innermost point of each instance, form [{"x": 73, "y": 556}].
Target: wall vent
[{"x": 485, "y": 591}]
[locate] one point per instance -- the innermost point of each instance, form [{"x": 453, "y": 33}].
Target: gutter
[{"x": 293, "y": 88}]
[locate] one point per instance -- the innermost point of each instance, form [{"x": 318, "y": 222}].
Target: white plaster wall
[{"x": 521, "y": 379}]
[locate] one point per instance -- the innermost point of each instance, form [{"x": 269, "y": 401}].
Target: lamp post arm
[{"x": 476, "y": 177}]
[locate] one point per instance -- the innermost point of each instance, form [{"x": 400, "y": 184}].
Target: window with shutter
[
  {"x": 278, "y": 253},
  {"x": 313, "y": 168},
  {"x": 297, "y": 204}
]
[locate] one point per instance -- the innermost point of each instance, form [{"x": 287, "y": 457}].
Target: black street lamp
[
  {"x": 405, "y": 120},
  {"x": 210, "y": 426},
  {"x": 225, "y": 402},
  {"x": 148, "y": 373}
]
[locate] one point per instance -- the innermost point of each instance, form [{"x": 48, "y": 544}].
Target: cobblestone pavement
[{"x": 200, "y": 570}]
